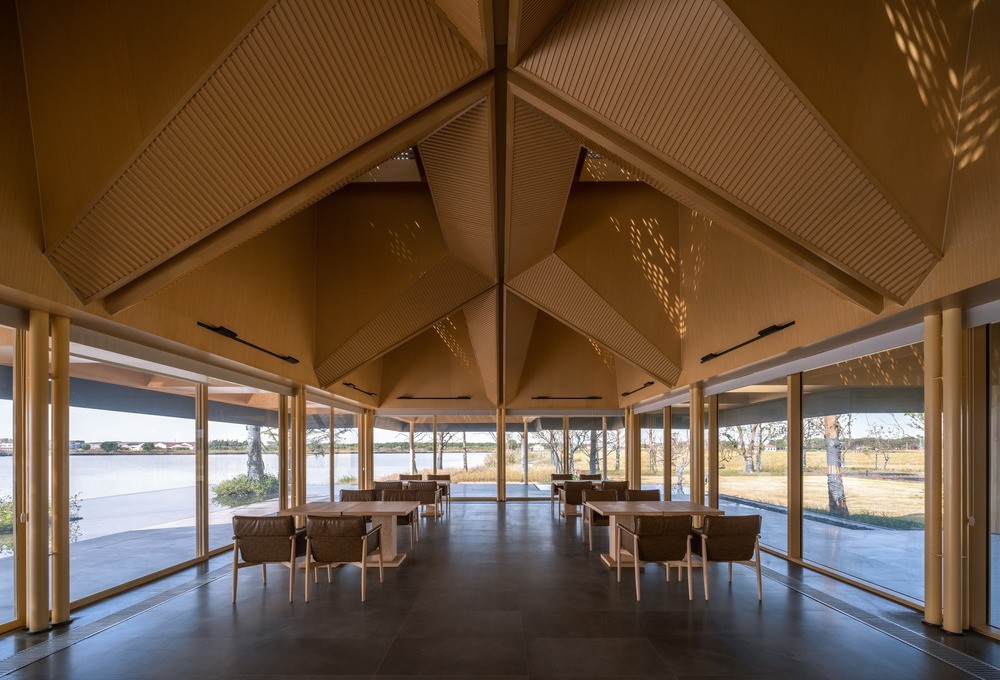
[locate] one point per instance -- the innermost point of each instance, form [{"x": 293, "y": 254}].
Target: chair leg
[
  {"x": 635, "y": 561},
  {"x": 618, "y": 554},
  {"x": 704, "y": 566},
  {"x": 364, "y": 574},
  {"x": 263, "y": 569},
  {"x": 730, "y": 572},
  {"x": 291, "y": 572},
  {"x": 411, "y": 535},
  {"x": 760, "y": 590},
  {"x": 590, "y": 532},
  {"x": 308, "y": 564},
  {"x": 690, "y": 579},
  {"x": 236, "y": 567},
  {"x": 329, "y": 574},
  {"x": 381, "y": 569}
]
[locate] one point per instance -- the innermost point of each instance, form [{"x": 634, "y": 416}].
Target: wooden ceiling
[{"x": 575, "y": 161}]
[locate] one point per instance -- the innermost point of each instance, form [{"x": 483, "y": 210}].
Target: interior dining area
[{"x": 499, "y": 338}]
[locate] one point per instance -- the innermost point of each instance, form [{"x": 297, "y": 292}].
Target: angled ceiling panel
[
  {"x": 293, "y": 95},
  {"x": 557, "y": 289},
  {"x": 458, "y": 161},
  {"x": 729, "y": 117},
  {"x": 519, "y": 322},
  {"x": 481, "y": 318},
  {"x": 444, "y": 288},
  {"x": 467, "y": 18},
  {"x": 532, "y": 18},
  {"x": 542, "y": 167}
]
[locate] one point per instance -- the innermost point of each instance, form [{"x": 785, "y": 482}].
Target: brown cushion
[
  {"x": 573, "y": 492},
  {"x": 264, "y": 539},
  {"x": 407, "y": 495},
  {"x": 410, "y": 477},
  {"x": 662, "y": 539},
  {"x": 614, "y": 485},
  {"x": 558, "y": 477},
  {"x": 362, "y": 495},
  {"x": 336, "y": 539},
  {"x": 642, "y": 494},
  {"x": 383, "y": 486},
  {"x": 730, "y": 538},
  {"x": 591, "y": 477}
]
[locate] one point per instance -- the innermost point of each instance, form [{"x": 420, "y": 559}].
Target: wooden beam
[
  {"x": 307, "y": 192},
  {"x": 673, "y": 179}
]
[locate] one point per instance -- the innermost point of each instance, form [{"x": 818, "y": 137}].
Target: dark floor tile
[
  {"x": 455, "y": 657},
  {"x": 457, "y": 624},
  {"x": 594, "y": 656}
]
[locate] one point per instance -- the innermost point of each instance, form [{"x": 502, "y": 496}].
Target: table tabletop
[
  {"x": 323, "y": 508},
  {"x": 382, "y": 508},
  {"x": 652, "y": 508}
]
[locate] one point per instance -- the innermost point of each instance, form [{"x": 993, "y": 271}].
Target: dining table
[
  {"x": 383, "y": 514},
  {"x": 622, "y": 512}
]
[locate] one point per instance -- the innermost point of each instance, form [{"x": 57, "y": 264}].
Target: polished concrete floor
[{"x": 494, "y": 590}]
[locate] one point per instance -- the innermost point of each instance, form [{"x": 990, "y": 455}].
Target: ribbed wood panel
[
  {"x": 458, "y": 161},
  {"x": 557, "y": 289},
  {"x": 535, "y": 18},
  {"x": 296, "y": 93},
  {"x": 467, "y": 18},
  {"x": 519, "y": 322},
  {"x": 727, "y": 114},
  {"x": 444, "y": 288},
  {"x": 543, "y": 162},
  {"x": 481, "y": 318}
]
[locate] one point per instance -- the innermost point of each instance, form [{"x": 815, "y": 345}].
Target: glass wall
[
  {"x": 524, "y": 462},
  {"x": 753, "y": 468},
  {"x": 243, "y": 442},
  {"x": 132, "y": 473},
  {"x": 586, "y": 444},
  {"x": 614, "y": 461},
  {"x": 680, "y": 452},
  {"x": 467, "y": 450},
  {"x": 863, "y": 485},
  {"x": 319, "y": 474},
  {"x": 7, "y": 514},
  {"x": 393, "y": 455},
  {"x": 546, "y": 441},
  {"x": 651, "y": 450},
  {"x": 345, "y": 446},
  {"x": 993, "y": 616}
]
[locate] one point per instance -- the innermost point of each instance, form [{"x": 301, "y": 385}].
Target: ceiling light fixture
[
  {"x": 762, "y": 333},
  {"x": 232, "y": 335},
  {"x": 409, "y": 398},
  {"x": 355, "y": 387},
  {"x": 588, "y": 398},
  {"x": 648, "y": 383}
]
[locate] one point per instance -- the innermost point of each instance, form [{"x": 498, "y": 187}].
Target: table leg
[
  {"x": 387, "y": 541},
  {"x": 609, "y": 558}
]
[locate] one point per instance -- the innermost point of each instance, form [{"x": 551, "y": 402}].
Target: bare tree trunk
[
  {"x": 594, "y": 458},
  {"x": 465, "y": 452},
  {"x": 413, "y": 453},
  {"x": 618, "y": 457},
  {"x": 834, "y": 468},
  {"x": 255, "y": 453}
]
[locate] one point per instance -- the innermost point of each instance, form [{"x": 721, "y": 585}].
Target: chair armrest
[
  {"x": 376, "y": 532},
  {"x": 562, "y": 494},
  {"x": 621, "y": 527}
]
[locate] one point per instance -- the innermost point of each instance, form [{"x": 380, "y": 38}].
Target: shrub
[
  {"x": 241, "y": 489},
  {"x": 6, "y": 515},
  {"x": 348, "y": 479}
]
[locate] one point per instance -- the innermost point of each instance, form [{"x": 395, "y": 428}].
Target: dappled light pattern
[
  {"x": 401, "y": 240},
  {"x": 448, "y": 332},
  {"x": 658, "y": 262},
  {"x": 902, "y": 367},
  {"x": 607, "y": 358},
  {"x": 979, "y": 120}
]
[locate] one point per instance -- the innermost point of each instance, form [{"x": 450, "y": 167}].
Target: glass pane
[
  {"x": 523, "y": 477},
  {"x": 863, "y": 485},
  {"x": 680, "y": 452},
  {"x": 7, "y": 514},
  {"x": 132, "y": 473},
  {"x": 467, "y": 450},
  {"x": 586, "y": 444},
  {"x": 651, "y": 450},
  {"x": 753, "y": 458},
  {"x": 345, "y": 442},
  {"x": 243, "y": 444},
  {"x": 318, "y": 480},
  {"x": 393, "y": 455},
  {"x": 994, "y": 472},
  {"x": 545, "y": 440},
  {"x": 614, "y": 462}
]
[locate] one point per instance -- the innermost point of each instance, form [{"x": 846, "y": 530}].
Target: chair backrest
[
  {"x": 440, "y": 478},
  {"x": 360, "y": 495},
  {"x": 642, "y": 495},
  {"x": 556, "y": 477},
  {"x": 409, "y": 478},
  {"x": 335, "y": 539},
  {"x": 387, "y": 486},
  {"x": 619, "y": 488},
  {"x": 599, "y": 495},
  {"x": 401, "y": 495},
  {"x": 574, "y": 491},
  {"x": 662, "y": 539},
  {"x": 731, "y": 538},
  {"x": 264, "y": 539},
  {"x": 427, "y": 492},
  {"x": 591, "y": 477}
]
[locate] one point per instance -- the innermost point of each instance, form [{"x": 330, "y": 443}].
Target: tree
[
  {"x": 650, "y": 433},
  {"x": 835, "y": 467},
  {"x": 615, "y": 443},
  {"x": 110, "y": 446},
  {"x": 749, "y": 441},
  {"x": 445, "y": 438},
  {"x": 255, "y": 454},
  {"x": 148, "y": 446},
  {"x": 465, "y": 451},
  {"x": 680, "y": 458},
  {"x": 552, "y": 440}
]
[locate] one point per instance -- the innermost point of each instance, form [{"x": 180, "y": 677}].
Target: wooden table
[
  {"x": 621, "y": 512},
  {"x": 383, "y": 514}
]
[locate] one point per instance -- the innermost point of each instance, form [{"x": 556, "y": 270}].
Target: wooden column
[
  {"x": 794, "y": 465},
  {"x": 932, "y": 469},
  {"x": 333, "y": 454},
  {"x": 20, "y": 472},
  {"x": 60, "y": 469},
  {"x": 501, "y": 455},
  {"x": 567, "y": 463},
  {"x": 299, "y": 446},
  {"x": 713, "y": 451},
  {"x": 668, "y": 453},
  {"x": 201, "y": 468},
  {"x": 434, "y": 448},
  {"x": 697, "y": 444},
  {"x": 604, "y": 448},
  {"x": 524, "y": 443},
  {"x": 38, "y": 472},
  {"x": 282, "y": 451},
  {"x": 953, "y": 524}
]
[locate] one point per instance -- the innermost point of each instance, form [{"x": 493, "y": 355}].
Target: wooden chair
[
  {"x": 428, "y": 493},
  {"x": 734, "y": 538},
  {"x": 554, "y": 494},
  {"x": 446, "y": 489},
  {"x": 259, "y": 540},
  {"x": 642, "y": 495},
  {"x": 591, "y": 518},
  {"x": 410, "y": 478},
  {"x": 361, "y": 495},
  {"x": 387, "y": 486},
  {"x": 572, "y": 494},
  {"x": 412, "y": 519},
  {"x": 332, "y": 541},
  {"x": 657, "y": 539},
  {"x": 619, "y": 487},
  {"x": 592, "y": 478}
]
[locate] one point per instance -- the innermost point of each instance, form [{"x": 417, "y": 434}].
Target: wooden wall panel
[
  {"x": 481, "y": 319},
  {"x": 466, "y": 16},
  {"x": 367, "y": 378},
  {"x": 372, "y": 242},
  {"x": 564, "y": 363},
  {"x": 253, "y": 129},
  {"x": 732, "y": 119},
  {"x": 541, "y": 166},
  {"x": 621, "y": 239},
  {"x": 459, "y": 162},
  {"x": 630, "y": 378},
  {"x": 519, "y": 323},
  {"x": 884, "y": 75},
  {"x": 530, "y": 19},
  {"x": 439, "y": 362},
  {"x": 103, "y": 77}
]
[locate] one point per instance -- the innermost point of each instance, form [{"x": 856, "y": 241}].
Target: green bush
[
  {"x": 241, "y": 490},
  {"x": 348, "y": 479},
  {"x": 6, "y": 515}
]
